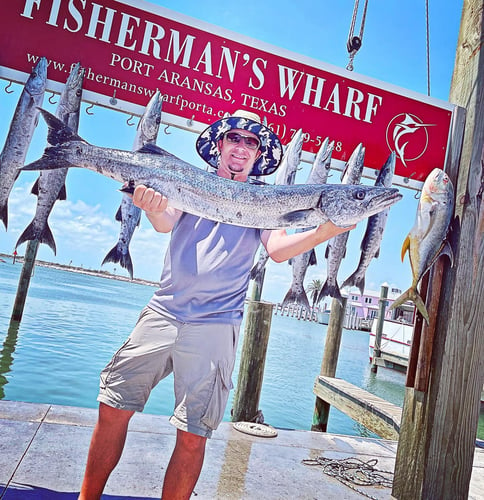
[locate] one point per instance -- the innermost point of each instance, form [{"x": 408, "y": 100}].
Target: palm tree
[{"x": 313, "y": 289}]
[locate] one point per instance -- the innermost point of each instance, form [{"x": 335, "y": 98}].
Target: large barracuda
[
  {"x": 336, "y": 248},
  {"x": 285, "y": 174},
  {"x": 20, "y": 133},
  {"x": 427, "y": 239},
  {"x": 128, "y": 214},
  {"x": 201, "y": 193},
  {"x": 50, "y": 186},
  {"x": 300, "y": 263},
  {"x": 370, "y": 245}
]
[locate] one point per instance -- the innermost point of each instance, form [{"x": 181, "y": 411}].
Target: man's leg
[
  {"x": 184, "y": 467},
  {"x": 107, "y": 444}
]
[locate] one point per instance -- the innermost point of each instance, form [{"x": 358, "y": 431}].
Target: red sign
[{"x": 130, "y": 48}]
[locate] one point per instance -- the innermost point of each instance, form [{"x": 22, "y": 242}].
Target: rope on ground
[{"x": 354, "y": 472}]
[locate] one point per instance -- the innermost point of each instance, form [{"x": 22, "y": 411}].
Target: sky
[{"x": 393, "y": 51}]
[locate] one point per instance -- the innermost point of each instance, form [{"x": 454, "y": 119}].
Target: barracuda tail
[
  {"x": 124, "y": 259},
  {"x": 412, "y": 295},
  {"x": 293, "y": 297},
  {"x": 59, "y": 132},
  {"x": 331, "y": 289},
  {"x": 44, "y": 236}
]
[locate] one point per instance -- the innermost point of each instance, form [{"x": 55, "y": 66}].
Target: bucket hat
[{"x": 270, "y": 148}]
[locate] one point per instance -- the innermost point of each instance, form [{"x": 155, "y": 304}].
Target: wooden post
[
  {"x": 382, "y": 303},
  {"x": 440, "y": 424},
  {"x": 330, "y": 361},
  {"x": 24, "y": 281},
  {"x": 252, "y": 362}
]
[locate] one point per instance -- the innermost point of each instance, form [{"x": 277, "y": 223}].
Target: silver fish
[
  {"x": 285, "y": 174},
  {"x": 427, "y": 239},
  {"x": 128, "y": 214},
  {"x": 20, "y": 134},
  {"x": 50, "y": 186},
  {"x": 336, "y": 248},
  {"x": 300, "y": 263},
  {"x": 192, "y": 190},
  {"x": 370, "y": 245}
]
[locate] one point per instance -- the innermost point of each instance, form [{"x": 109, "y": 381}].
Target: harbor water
[{"x": 74, "y": 322}]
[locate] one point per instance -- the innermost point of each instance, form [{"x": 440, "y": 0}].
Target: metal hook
[
  {"x": 128, "y": 121},
  {"x": 166, "y": 130},
  {"x": 51, "y": 97},
  {"x": 190, "y": 121},
  {"x": 113, "y": 99},
  {"x": 8, "y": 86},
  {"x": 89, "y": 108}
]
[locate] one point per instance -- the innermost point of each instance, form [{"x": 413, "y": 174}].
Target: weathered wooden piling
[
  {"x": 330, "y": 361},
  {"x": 24, "y": 280},
  {"x": 439, "y": 423},
  {"x": 252, "y": 361},
  {"x": 382, "y": 304}
]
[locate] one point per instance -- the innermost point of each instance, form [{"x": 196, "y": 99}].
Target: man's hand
[{"x": 149, "y": 200}]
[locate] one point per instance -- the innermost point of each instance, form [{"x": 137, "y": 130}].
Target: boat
[{"x": 395, "y": 344}]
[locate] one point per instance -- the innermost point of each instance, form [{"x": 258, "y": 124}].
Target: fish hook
[
  {"x": 89, "y": 108},
  {"x": 417, "y": 195},
  {"x": 166, "y": 130},
  {"x": 7, "y": 88},
  {"x": 52, "y": 97},
  {"x": 128, "y": 121}
]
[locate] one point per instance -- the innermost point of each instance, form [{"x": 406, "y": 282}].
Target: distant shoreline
[{"x": 81, "y": 270}]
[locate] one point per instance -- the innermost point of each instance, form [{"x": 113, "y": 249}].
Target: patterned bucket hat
[{"x": 271, "y": 147}]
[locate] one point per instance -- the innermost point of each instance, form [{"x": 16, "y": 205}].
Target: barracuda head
[{"x": 348, "y": 205}]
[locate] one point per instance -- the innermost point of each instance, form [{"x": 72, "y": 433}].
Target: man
[{"x": 191, "y": 324}]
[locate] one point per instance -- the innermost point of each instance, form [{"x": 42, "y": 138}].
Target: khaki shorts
[{"x": 201, "y": 357}]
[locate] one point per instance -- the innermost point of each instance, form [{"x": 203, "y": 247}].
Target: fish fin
[
  {"x": 31, "y": 234},
  {"x": 4, "y": 214},
  {"x": 256, "y": 271},
  {"x": 377, "y": 253},
  {"x": 297, "y": 215},
  {"x": 124, "y": 259},
  {"x": 412, "y": 295},
  {"x": 59, "y": 132},
  {"x": 355, "y": 280},
  {"x": 313, "y": 260},
  {"x": 332, "y": 290},
  {"x": 48, "y": 161},
  {"x": 62, "y": 193},
  {"x": 127, "y": 187},
  {"x": 447, "y": 250},
  {"x": 119, "y": 215},
  {"x": 151, "y": 148},
  {"x": 296, "y": 298},
  {"x": 35, "y": 188},
  {"x": 405, "y": 247}
]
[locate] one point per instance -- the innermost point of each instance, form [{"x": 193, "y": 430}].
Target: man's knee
[
  {"x": 113, "y": 416},
  {"x": 189, "y": 441}
]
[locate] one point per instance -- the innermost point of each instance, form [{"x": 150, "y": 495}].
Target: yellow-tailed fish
[{"x": 426, "y": 241}]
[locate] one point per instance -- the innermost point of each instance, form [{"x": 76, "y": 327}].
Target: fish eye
[
  {"x": 360, "y": 194},
  {"x": 78, "y": 92}
]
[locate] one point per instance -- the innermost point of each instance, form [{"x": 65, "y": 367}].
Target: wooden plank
[{"x": 376, "y": 414}]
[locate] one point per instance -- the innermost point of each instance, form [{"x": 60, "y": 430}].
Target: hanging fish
[
  {"x": 427, "y": 239},
  {"x": 20, "y": 133},
  {"x": 300, "y": 263},
  {"x": 285, "y": 174},
  {"x": 50, "y": 186},
  {"x": 370, "y": 245},
  {"x": 336, "y": 248},
  {"x": 128, "y": 214}
]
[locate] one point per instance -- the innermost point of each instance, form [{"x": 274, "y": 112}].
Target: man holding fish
[{"x": 191, "y": 324}]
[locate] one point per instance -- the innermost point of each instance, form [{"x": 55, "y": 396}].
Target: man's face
[{"x": 239, "y": 149}]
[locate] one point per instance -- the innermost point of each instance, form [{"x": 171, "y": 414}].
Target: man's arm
[
  {"x": 282, "y": 246},
  {"x": 162, "y": 217}
]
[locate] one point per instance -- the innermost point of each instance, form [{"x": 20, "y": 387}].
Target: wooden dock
[{"x": 376, "y": 414}]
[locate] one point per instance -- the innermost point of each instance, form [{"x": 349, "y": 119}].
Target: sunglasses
[{"x": 250, "y": 141}]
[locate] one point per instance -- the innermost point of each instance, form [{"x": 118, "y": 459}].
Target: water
[{"x": 73, "y": 323}]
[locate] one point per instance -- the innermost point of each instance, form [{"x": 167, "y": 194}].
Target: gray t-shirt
[{"x": 206, "y": 271}]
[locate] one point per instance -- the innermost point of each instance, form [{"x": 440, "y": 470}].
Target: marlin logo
[{"x": 407, "y": 124}]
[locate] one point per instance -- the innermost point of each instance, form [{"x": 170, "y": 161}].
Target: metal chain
[{"x": 353, "y": 471}]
